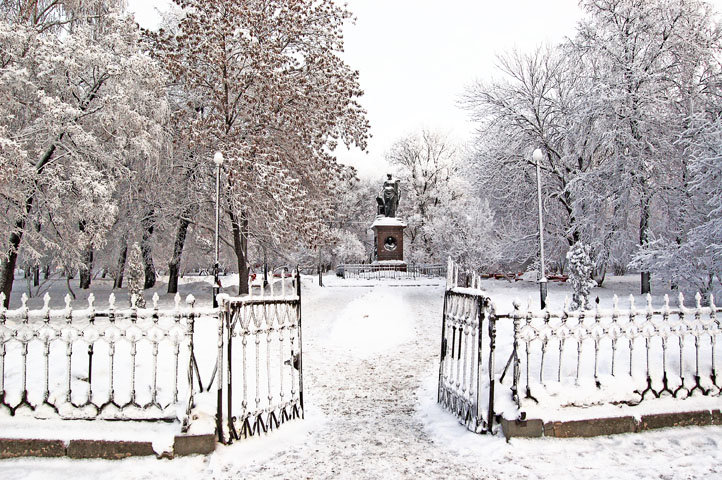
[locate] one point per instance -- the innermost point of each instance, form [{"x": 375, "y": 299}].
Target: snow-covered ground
[{"x": 371, "y": 352}]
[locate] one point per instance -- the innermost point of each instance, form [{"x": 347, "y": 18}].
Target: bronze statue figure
[{"x": 388, "y": 201}]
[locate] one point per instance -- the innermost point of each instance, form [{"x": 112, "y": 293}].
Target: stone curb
[
  {"x": 17, "y": 447},
  {"x": 105, "y": 449},
  {"x": 593, "y": 427}
]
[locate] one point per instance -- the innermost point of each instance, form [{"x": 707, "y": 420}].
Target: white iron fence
[
  {"x": 571, "y": 358},
  {"x": 617, "y": 355},
  {"x": 131, "y": 363},
  {"x": 140, "y": 363}
]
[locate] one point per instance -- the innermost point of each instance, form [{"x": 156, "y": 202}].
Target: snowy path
[
  {"x": 369, "y": 401},
  {"x": 371, "y": 413}
]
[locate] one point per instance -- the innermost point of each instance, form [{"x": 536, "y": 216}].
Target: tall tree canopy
[{"x": 268, "y": 88}]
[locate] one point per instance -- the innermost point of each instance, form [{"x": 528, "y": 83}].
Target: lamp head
[
  {"x": 218, "y": 158},
  {"x": 538, "y": 155}
]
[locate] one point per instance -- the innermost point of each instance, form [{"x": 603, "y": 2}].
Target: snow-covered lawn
[{"x": 371, "y": 352}]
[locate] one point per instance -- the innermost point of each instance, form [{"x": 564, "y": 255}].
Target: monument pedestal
[{"x": 389, "y": 242}]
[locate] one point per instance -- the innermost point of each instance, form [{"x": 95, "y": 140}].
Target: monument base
[{"x": 389, "y": 240}]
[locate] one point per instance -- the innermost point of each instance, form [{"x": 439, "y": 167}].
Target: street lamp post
[
  {"x": 218, "y": 160},
  {"x": 538, "y": 156}
]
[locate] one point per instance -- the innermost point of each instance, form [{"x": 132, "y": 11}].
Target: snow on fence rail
[
  {"x": 382, "y": 271},
  {"x": 133, "y": 363},
  {"x": 571, "y": 358}
]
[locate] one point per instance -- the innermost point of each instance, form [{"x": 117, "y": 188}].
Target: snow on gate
[{"x": 557, "y": 360}]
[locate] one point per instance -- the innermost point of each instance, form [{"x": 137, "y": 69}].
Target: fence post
[
  {"x": 489, "y": 310},
  {"x": 479, "y": 357},
  {"x": 300, "y": 343},
  {"x": 191, "y": 320},
  {"x": 443, "y": 349},
  {"x": 221, "y": 313}
]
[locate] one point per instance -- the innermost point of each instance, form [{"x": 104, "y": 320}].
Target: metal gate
[
  {"x": 466, "y": 381},
  {"x": 260, "y": 355}
]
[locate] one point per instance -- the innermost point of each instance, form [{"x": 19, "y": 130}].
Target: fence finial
[
  {"x": 155, "y": 301},
  {"x": 2, "y": 301},
  {"x": 111, "y": 301},
  {"x": 24, "y": 299},
  {"x": 680, "y": 299},
  {"x": 666, "y": 302},
  {"x": 698, "y": 299},
  {"x": 615, "y": 303},
  {"x": 190, "y": 300},
  {"x": 711, "y": 302},
  {"x": 649, "y": 302},
  {"x": 46, "y": 301},
  {"x": 177, "y": 300},
  {"x": 631, "y": 304},
  {"x": 68, "y": 300},
  {"x": 91, "y": 300}
]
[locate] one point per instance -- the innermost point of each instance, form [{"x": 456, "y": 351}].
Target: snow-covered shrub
[
  {"x": 581, "y": 267},
  {"x": 136, "y": 276},
  {"x": 349, "y": 249}
]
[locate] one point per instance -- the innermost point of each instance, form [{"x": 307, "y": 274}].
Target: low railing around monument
[{"x": 372, "y": 271}]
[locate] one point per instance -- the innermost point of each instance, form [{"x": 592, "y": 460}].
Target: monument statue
[
  {"x": 388, "y": 228},
  {"x": 388, "y": 201}
]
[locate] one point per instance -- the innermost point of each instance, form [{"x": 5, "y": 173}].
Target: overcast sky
[{"x": 416, "y": 57}]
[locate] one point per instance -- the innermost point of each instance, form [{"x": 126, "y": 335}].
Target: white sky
[{"x": 415, "y": 58}]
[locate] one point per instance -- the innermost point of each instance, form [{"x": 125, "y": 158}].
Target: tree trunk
[
  {"x": 645, "y": 277},
  {"x": 86, "y": 267},
  {"x": 8, "y": 263},
  {"x": 46, "y": 271},
  {"x": 36, "y": 275},
  {"x": 7, "y": 275},
  {"x": 121, "y": 266},
  {"x": 175, "y": 261},
  {"x": 240, "y": 247},
  {"x": 148, "y": 266}
]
